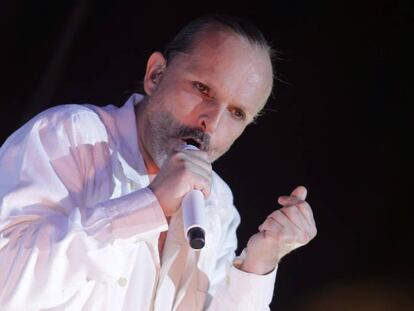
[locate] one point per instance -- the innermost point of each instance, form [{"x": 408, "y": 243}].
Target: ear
[{"x": 155, "y": 68}]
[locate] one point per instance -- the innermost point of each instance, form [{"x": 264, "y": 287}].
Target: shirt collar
[{"x": 125, "y": 117}]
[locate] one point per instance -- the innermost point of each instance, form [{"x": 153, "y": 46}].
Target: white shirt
[{"x": 79, "y": 226}]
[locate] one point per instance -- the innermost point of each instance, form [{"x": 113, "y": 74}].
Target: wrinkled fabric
[{"x": 79, "y": 226}]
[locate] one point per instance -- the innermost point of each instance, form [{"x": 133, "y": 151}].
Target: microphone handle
[{"x": 194, "y": 218}]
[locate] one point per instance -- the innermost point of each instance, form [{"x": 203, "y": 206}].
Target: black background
[{"x": 339, "y": 124}]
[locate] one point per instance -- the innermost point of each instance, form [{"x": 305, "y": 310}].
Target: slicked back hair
[{"x": 186, "y": 38}]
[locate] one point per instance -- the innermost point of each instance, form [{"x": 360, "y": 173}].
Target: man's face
[{"x": 206, "y": 97}]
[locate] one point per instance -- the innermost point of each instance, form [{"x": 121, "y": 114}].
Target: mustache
[{"x": 196, "y": 137}]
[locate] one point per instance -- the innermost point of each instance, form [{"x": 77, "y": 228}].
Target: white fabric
[{"x": 79, "y": 227}]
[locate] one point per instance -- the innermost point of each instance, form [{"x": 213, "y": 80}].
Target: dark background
[{"x": 339, "y": 124}]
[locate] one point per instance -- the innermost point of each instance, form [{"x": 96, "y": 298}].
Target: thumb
[{"x": 300, "y": 192}]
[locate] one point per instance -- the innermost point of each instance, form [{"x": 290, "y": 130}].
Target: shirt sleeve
[
  {"x": 232, "y": 288},
  {"x": 57, "y": 203}
]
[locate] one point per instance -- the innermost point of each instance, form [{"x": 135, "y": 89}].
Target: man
[{"x": 90, "y": 214}]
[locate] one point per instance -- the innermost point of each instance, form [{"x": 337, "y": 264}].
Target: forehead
[{"x": 235, "y": 70}]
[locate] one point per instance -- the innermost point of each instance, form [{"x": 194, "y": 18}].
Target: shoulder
[
  {"x": 65, "y": 113},
  {"x": 59, "y": 116},
  {"x": 70, "y": 124}
]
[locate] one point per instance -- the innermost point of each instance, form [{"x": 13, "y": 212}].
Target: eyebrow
[
  {"x": 236, "y": 105},
  {"x": 193, "y": 70}
]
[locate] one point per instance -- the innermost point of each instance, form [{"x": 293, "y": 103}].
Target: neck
[{"x": 141, "y": 121}]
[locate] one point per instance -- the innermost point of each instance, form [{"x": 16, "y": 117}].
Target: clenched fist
[
  {"x": 183, "y": 171},
  {"x": 283, "y": 231}
]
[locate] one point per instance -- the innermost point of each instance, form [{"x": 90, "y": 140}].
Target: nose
[{"x": 210, "y": 116}]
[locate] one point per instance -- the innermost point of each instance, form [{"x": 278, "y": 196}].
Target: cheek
[
  {"x": 186, "y": 101},
  {"x": 222, "y": 141},
  {"x": 178, "y": 98}
]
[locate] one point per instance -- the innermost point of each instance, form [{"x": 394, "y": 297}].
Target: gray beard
[{"x": 166, "y": 133}]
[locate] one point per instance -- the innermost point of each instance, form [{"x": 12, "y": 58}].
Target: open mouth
[{"x": 193, "y": 142}]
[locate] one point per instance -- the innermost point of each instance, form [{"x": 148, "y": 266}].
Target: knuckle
[
  {"x": 273, "y": 218},
  {"x": 270, "y": 222},
  {"x": 176, "y": 161},
  {"x": 278, "y": 213},
  {"x": 273, "y": 214}
]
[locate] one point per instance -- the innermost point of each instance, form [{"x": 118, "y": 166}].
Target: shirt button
[{"x": 122, "y": 282}]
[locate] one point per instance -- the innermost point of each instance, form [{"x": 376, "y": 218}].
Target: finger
[
  {"x": 271, "y": 228},
  {"x": 294, "y": 215},
  {"x": 285, "y": 200},
  {"x": 307, "y": 212},
  {"x": 306, "y": 227},
  {"x": 196, "y": 160},
  {"x": 281, "y": 218},
  {"x": 196, "y": 154},
  {"x": 199, "y": 168},
  {"x": 190, "y": 154},
  {"x": 203, "y": 184},
  {"x": 303, "y": 206},
  {"x": 190, "y": 160},
  {"x": 197, "y": 171},
  {"x": 300, "y": 192},
  {"x": 271, "y": 225}
]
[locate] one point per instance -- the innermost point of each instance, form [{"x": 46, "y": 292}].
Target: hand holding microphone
[{"x": 183, "y": 181}]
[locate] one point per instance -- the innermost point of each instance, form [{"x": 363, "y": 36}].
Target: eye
[
  {"x": 202, "y": 88},
  {"x": 238, "y": 114}
]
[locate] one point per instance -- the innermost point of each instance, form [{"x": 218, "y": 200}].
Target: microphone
[{"x": 193, "y": 208}]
